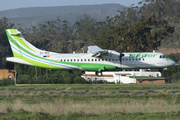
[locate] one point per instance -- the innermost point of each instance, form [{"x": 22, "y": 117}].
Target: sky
[{"x": 13, "y": 4}]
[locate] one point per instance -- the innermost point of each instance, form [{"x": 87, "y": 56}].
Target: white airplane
[{"x": 96, "y": 59}]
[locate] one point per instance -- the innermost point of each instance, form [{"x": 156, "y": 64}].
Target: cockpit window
[{"x": 163, "y": 56}]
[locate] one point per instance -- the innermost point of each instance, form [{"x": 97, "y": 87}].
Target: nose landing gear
[{"x": 99, "y": 74}]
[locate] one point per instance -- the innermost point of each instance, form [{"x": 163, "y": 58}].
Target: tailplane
[
  {"x": 25, "y": 53},
  {"x": 19, "y": 45}
]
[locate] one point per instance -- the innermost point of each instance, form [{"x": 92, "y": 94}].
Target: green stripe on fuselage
[
  {"x": 169, "y": 59},
  {"x": 36, "y": 63}
]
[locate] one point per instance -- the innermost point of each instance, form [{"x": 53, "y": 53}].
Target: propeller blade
[
  {"x": 121, "y": 55},
  {"x": 119, "y": 49}
]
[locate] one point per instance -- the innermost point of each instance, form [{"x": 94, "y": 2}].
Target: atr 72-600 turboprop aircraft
[{"x": 96, "y": 59}]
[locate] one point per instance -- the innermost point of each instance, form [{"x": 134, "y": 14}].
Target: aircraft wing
[
  {"x": 100, "y": 53},
  {"x": 96, "y": 51}
]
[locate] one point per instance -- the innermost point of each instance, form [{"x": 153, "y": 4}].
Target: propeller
[{"x": 121, "y": 54}]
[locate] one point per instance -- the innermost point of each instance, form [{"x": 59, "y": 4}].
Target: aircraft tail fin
[{"x": 18, "y": 43}]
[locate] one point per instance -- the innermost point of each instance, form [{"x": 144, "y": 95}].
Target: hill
[{"x": 34, "y": 15}]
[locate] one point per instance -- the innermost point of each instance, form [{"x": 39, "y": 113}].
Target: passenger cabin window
[
  {"x": 88, "y": 59},
  {"x": 84, "y": 59},
  {"x": 92, "y": 60},
  {"x": 78, "y": 60}
]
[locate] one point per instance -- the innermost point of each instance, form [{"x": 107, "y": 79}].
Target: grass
[
  {"x": 89, "y": 86},
  {"x": 24, "y": 115},
  {"x": 98, "y": 106},
  {"x": 95, "y": 102}
]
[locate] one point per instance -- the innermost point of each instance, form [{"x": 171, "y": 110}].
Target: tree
[
  {"x": 166, "y": 9},
  {"x": 145, "y": 35},
  {"x": 85, "y": 29},
  {"x": 4, "y": 44},
  {"x": 105, "y": 38}
]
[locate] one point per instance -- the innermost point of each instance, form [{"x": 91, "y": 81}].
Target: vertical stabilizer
[{"x": 18, "y": 44}]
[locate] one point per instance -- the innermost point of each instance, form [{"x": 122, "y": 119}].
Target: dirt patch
[
  {"x": 113, "y": 114},
  {"x": 168, "y": 50},
  {"x": 172, "y": 113},
  {"x": 1, "y": 114},
  {"x": 85, "y": 114}
]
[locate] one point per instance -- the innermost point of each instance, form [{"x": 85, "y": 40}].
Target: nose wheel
[{"x": 99, "y": 74}]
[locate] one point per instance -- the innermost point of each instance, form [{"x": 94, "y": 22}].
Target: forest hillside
[{"x": 27, "y": 17}]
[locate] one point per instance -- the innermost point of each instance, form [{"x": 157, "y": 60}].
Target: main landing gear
[{"x": 99, "y": 74}]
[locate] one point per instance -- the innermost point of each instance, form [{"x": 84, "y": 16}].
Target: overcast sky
[{"x": 12, "y": 4}]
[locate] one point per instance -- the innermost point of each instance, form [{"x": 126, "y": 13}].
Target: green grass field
[
  {"x": 94, "y": 86},
  {"x": 90, "y": 102},
  {"x": 24, "y": 115}
]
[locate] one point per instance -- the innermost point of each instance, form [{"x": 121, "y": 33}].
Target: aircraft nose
[{"x": 173, "y": 62}]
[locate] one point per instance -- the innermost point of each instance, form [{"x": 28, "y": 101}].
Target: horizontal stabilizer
[{"x": 17, "y": 60}]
